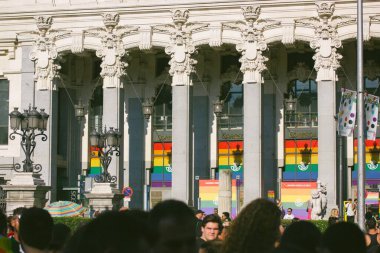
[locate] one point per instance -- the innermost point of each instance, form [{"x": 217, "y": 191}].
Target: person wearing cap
[{"x": 199, "y": 215}]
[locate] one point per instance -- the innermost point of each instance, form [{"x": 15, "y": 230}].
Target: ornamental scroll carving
[
  {"x": 112, "y": 51},
  {"x": 181, "y": 46},
  {"x": 252, "y": 44},
  {"x": 44, "y": 52},
  {"x": 326, "y": 40}
]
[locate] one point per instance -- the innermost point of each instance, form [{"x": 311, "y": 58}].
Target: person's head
[
  {"x": 334, "y": 212},
  {"x": 289, "y": 211},
  {"x": 172, "y": 225},
  {"x": 211, "y": 225},
  {"x": 199, "y": 214},
  {"x": 225, "y": 216},
  {"x": 211, "y": 247},
  {"x": 301, "y": 236},
  {"x": 36, "y": 228},
  {"x": 371, "y": 224},
  {"x": 343, "y": 237},
  {"x": 112, "y": 232},
  {"x": 15, "y": 220},
  {"x": 216, "y": 211},
  {"x": 255, "y": 229},
  {"x": 368, "y": 215},
  {"x": 61, "y": 234},
  {"x": 349, "y": 200}
]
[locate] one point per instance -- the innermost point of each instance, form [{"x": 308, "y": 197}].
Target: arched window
[
  {"x": 232, "y": 115},
  {"x": 4, "y": 111},
  {"x": 162, "y": 115}
]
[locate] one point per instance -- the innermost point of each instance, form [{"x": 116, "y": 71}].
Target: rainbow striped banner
[
  {"x": 296, "y": 196},
  {"x": 162, "y": 170},
  {"x": 372, "y": 159},
  {"x": 372, "y": 198},
  {"x": 95, "y": 164},
  {"x": 231, "y": 157},
  {"x": 301, "y": 160},
  {"x": 209, "y": 192}
]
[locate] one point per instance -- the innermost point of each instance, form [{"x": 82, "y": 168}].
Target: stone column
[
  {"x": 252, "y": 64},
  {"x": 225, "y": 192},
  {"x": 181, "y": 49}
]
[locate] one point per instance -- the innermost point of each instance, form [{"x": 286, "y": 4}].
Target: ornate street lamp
[
  {"x": 290, "y": 103},
  {"x": 108, "y": 143},
  {"x": 79, "y": 110},
  {"x": 147, "y": 108},
  {"x": 218, "y": 108},
  {"x": 26, "y": 125}
]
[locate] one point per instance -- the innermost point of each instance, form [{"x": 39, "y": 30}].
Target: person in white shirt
[
  {"x": 289, "y": 214},
  {"x": 350, "y": 211}
]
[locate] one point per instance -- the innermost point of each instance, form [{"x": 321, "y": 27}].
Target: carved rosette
[
  {"x": 253, "y": 44},
  {"x": 112, "y": 51},
  {"x": 44, "y": 53},
  {"x": 326, "y": 40},
  {"x": 181, "y": 47}
]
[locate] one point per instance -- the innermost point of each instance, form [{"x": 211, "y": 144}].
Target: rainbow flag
[
  {"x": 209, "y": 192},
  {"x": 231, "y": 157},
  {"x": 372, "y": 158},
  {"x": 296, "y": 196},
  {"x": 372, "y": 198},
  {"x": 95, "y": 164},
  {"x": 162, "y": 170},
  {"x": 301, "y": 160}
]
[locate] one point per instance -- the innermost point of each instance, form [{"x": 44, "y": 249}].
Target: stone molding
[{"x": 181, "y": 46}]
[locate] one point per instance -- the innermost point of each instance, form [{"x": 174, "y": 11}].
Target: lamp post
[
  {"x": 218, "y": 109},
  {"x": 26, "y": 125},
  {"x": 79, "y": 111},
  {"x": 109, "y": 143},
  {"x": 147, "y": 108},
  {"x": 290, "y": 105}
]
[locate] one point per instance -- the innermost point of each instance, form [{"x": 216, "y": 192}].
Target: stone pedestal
[
  {"x": 225, "y": 192},
  {"x": 103, "y": 197},
  {"x": 25, "y": 190}
]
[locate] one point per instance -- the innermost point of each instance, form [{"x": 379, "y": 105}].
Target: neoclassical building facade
[{"x": 184, "y": 55}]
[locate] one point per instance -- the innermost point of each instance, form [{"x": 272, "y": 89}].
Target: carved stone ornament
[
  {"x": 181, "y": 46},
  {"x": 326, "y": 40},
  {"x": 44, "y": 52},
  {"x": 319, "y": 202},
  {"x": 371, "y": 70},
  {"x": 300, "y": 72},
  {"x": 112, "y": 50},
  {"x": 253, "y": 43}
]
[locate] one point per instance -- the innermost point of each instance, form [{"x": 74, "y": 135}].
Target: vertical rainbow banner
[
  {"x": 296, "y": 196},
  {"x": 162, "y": 170},
  {"x": 231, "y": 157},
  {"x": 372, "y": 159},
  {"x": 301, "y": 160},
  {"x": 95, "y": 165},
  {"x": 372, "y": 198},
  {"x": 209, "y": 192}
]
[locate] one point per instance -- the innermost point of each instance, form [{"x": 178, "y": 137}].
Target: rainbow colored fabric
[
  {"x": 231, "y": 157},
  {"x": 372, "y": 158},
  {"x": 301, "y": 160},
  {"x": 162, "y": 171},
  {"x": 372, "y": 198},
  {"x": 95, "y": 165},
  {"x": 64, "y": 209},
  {"x": 296, "y": 196},
  {"x": 209, "y": 192}
]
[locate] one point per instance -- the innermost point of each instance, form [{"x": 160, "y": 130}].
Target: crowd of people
[{"x": 172, "y": 227}]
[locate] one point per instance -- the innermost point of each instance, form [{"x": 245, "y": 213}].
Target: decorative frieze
[
  {"x": 181, "y": 46},
  {"x": 252, "y": 44},
  {"x": 215, "y": 34},
  {"x": 112, "y": 50},
  {"x": 288, "y": 33},
  {"x": 145, "y": 38},
  {"x": 326, "y": 40}
]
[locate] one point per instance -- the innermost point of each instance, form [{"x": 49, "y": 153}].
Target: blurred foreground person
[
  {"x": 112, "y": 232},
  {"x": 36, "y": 229},
  {"x": 372, "y": 238},
  {"x": 255, "y": 230},
  {"x": 5, "y": 242},
  {"x": 343, "y": 237},
  {"x": 300, "y": 237},
  {"x": 172, "y": 226},
  {"x": 211, "y": 247},
  {"x": 61, "y": 234}
]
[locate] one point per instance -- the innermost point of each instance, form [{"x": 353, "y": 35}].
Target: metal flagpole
[{"x": 360, "y": 114}]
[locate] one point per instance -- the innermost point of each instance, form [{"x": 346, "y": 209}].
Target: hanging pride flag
[
  {"x": 347, "y": 113},
  {"x": 371, "y": 113},
  {"x": 162, "y": 170}
]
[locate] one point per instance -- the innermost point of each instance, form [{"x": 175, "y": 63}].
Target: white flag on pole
[
  {"x": 371, "y": 115},
  {"x": 347, "y": 113}
]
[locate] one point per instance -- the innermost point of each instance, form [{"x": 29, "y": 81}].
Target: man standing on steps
[
  {"x": 211, "y": 227},
  {"x": 350, "y": 210}
]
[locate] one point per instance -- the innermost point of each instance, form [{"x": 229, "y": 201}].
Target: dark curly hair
[{"x": 256, "y": 229}]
